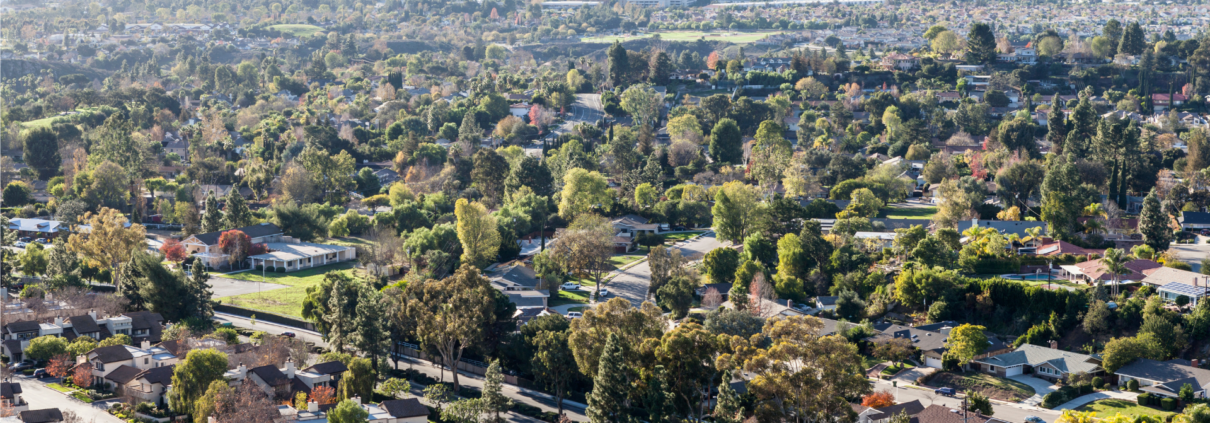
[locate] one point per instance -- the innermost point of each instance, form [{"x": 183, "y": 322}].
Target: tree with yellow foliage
[{"x": 107, "y": 242}]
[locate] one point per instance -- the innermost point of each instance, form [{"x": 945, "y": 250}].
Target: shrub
[
  {"x": 1132, "y": 385},
  {"x": 1097, "y": 382},
  {"x": 1053, "y": 399},
  {"x": 260, "y": 267},
  {"x": 1168, "y": 404},
  {"x": 1144, "y": 399},
  {"x": 281, "y": 270},
  {"x": 1085, "y": 388}
]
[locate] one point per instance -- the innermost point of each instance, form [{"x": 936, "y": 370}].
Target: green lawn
[
  {"x": 285, "y": 301},
  {"x": 890, "y": 371},
  {"x": 569, "y": 297},
  {"x": 48, "y": 121},
  {"x": 624, "y": 259},
  {"x": 59, "y": 387},
  {"x": 349, "y": 242},
  {"x": 297, "y": 30},
  {"x": 734, "y": 37},
  {"x": 1110, "y": 407},
  {"x": 681, "y": 236},
  {"x": 907, "y": 213}
]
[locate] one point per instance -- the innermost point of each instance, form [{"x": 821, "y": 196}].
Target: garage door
[
  {"x": 932, "y": 362},
  {"x": 1013, "y": 371}
]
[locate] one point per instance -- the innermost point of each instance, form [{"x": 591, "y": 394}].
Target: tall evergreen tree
[
  {"x": 619, "y": 65},
  {"x": 1113, "y": 31},
  {"x": 1081, "y": 128},
  {"x": 981, "y": 44},
  {"x": 237, "y": 215},
  {"x": 493, "y": 395},
  {"x": 198, "y": 288},
  {"x": 726, "y": 142},
  {"x": 607, "y": 402},
  {"x": 1133, "y": 41},
  {"x": 372, "y": 335},
  {"x": 41, "y": 151},
  {"x": 1154, "y": 223},
  {"x": 1056, "y": 125},
  {"x": 728, "y": 408},
  {"x": 658, "y": 401},
  {"x": 212, "y": 221}
]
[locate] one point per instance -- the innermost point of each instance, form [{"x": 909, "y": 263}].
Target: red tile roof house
[
  {"x": 1063, "y": 247},
  {"x": 1094, "y": 270}
]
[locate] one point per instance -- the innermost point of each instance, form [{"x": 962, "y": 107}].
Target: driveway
[
  {"x": 1191, "y": 253},
  {"x": 1041, "y": 388},
  {"x": 1085, "y": 399},
  {"x": 632, "y": 283},
  {"x": 40, "y": 397},
  {"x": 909, "y": 376}
]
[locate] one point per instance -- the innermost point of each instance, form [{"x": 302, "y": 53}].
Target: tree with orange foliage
[
  {"x": 174, "y": 251},
  {"x": 494, "y": 16},
  {"x": 712, "y": 60},
  {"x": 60, "y": 365},
  {"x": 878, "y": 399},
  {"x": 323, "y": 395},
  {"x": 82, "y": 375}
]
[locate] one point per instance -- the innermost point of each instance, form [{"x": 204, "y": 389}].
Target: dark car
[
  {"x": 40, "y": 374},
  {"x": 949, "y": 392},
  {"x": 288, "y": 334},
  {"x": 26, "y": 239},
  {"x": 26, "y": 364}
]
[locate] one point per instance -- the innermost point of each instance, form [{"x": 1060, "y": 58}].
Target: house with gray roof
[
  {"x": 1166, "y": 378},
  {"x": 1046, "y": 363}
]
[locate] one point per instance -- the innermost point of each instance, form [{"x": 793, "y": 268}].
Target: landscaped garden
[{"x": 992, "y": 386}]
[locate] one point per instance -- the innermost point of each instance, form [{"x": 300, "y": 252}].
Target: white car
[
  {"x": 604, "y": 292},
  {"x": 20, "y": 244},
  {"x": 574, "y": 315},
  {"x": 570, "y": 286}
]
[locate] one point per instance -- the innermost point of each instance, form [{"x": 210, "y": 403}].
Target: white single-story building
[{"x": 301, "y": 255}]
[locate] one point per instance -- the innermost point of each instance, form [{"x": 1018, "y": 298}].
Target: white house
[{"x": 117, "y": 365}]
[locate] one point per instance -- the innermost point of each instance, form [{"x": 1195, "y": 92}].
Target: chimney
[
  {"x": 357, "y": 399},
  {"x": 789, "y": 303},
  {"x": 1196, "y": 363},
  {"x": 146, "y": 345},
  {"x": 289, "y": 368},
  {"x": 243, "y": 371},
  {"x": 92, "y": 314},
  {"x": 313, "y": 406},
  {"x": 59, "y": 321}
]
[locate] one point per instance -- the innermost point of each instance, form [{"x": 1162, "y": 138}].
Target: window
[
  {"x": 100, "y": 366},
  {"x": 146, "y": 360}
]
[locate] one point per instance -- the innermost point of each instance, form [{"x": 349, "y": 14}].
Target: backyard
[
  {"x": 994, "y": 387},
  {"x": 285, "y": 301},
  {"x": 734, "y": 37},
  {"x": 1110, "y": 407}
]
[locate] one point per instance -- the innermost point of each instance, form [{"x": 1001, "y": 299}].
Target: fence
[{"x": 265, "y": 316}]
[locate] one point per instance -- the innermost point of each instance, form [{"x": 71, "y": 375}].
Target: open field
[
  {"x": 48, "y": 121},
  {"x": 733, "y": 37},
  {"x": 1110, "y": 407},
  {"x": 297, "y": 30},
  {"x": 285, "y": 301}
]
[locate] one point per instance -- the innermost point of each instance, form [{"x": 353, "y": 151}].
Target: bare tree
[
  {"x": 712, "y": 299},
  {"x": 586, "y": 248},
  {"x": 248, "y": 403}
]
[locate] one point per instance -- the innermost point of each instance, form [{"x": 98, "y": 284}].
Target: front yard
[
  {"x": 893, "y": 370},
  {"x": 681, "y": 236},
  {"x": 983, "y": 383},
  {"x": 285, "y": 301},
  {"x": 1110, "y": 407}
]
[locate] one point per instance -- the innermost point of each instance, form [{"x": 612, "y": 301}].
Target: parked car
[
  {"x": 20, "y": 244},
  {"x": 288, "y": 334},
  {"x": 25, "y": 364},
  {"x": 41, "y": 241},
  {"x": 949, "y": 392},
  {"x": 1034, "y": 419},
  {"x": 574, "y": 315},
  {"x": 41, "y": 374},
  {"x": 27, "y": 239},
  {"x": 570, "y": 286},
  {"x": 604, "y": 292}
]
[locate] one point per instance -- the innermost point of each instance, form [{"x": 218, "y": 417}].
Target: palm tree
[
  {"x": 1034, "y": 234},
  {"x": 1094, "y": 226},
  {"x": 1115, "y": 263}
]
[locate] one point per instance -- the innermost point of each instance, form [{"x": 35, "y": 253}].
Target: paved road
[
  {"x": 587, "y": 108},
  {"x": 1192, "y": 253},
  {"x": 1011, "y": 412},
  {"x": 632, "y": 283},
  {"x": 40, "y": 397}
]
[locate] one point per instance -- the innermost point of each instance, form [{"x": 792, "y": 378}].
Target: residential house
[
  {"x": 150, "y": 385},
  {"x": 1094, "y": 271},
  {"x": 1190, "y": 221},
  {"x": 899, "y": 61},
  {"x": 1166, "y": 378},
  {"x": 1165, "y": 101},
  {"x": 1047, "y": 363},
  {"x": 931, "y": 340},
  {"x": 884, "y": 414},
  {"x": 1058, "y": 248},
  {"x": 883, "y": 239},
  {"x": 942, "y": 414},
  {"x": 634, "y": 224},
  {"x": 117, "y": 365},
  {"x": 16, "y": 335},
  {"x": 205, "y": 246},
  {"x": 285, "y": 382},
  {"x": 391, "y": 411},
  {"x": 35, "y": 228},
  {"x": 1021, "y": 55},
  {"x": 826, "y": 302},
  {"x": 1194, "y": 293},
  {"x": 283, "y": 252},
  {"x": 1161, "y": 276},
  {"x": 522, "y": 285},
  {"x": 10, "y": 397}
]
